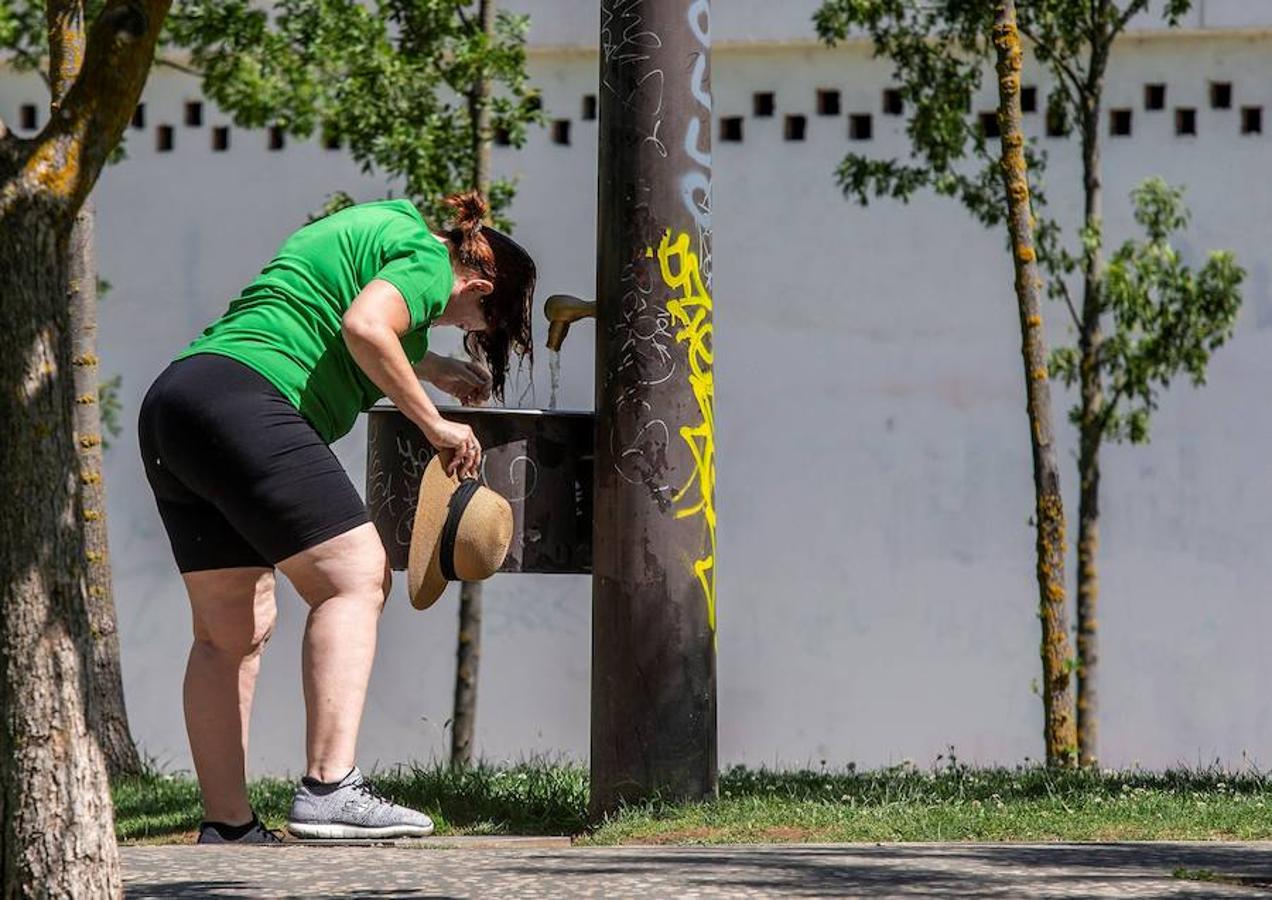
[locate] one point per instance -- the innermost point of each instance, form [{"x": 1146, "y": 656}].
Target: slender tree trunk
[
  {"x": 1088, "y": 591},
  {"x": 108, "y": 687},
  {"x": 467, "y": 658},
  {"x": 56, "y": 825},
  {"x": 1057, "y": 695},
  {"x": 468, "y": 653},
  {"x": 1090, "y": 427},
  {"x": 479, "y": 108}
]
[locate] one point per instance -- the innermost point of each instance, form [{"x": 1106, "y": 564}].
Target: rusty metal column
[{"x": 653, "y": 594}]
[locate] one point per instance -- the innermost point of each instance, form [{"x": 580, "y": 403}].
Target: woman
[{"x": 234, "y": 436}]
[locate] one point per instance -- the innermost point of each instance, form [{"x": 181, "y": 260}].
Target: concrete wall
[
  {"x": 575, "y": 23},
  {"x": 875, "y": 580}
]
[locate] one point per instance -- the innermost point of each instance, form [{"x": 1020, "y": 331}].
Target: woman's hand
[
  {"x": 456, "y": 445},
  {"x": 467, "y": 381}
]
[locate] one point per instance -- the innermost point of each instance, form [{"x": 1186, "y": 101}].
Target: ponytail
[{"x": 465, "y": 234}]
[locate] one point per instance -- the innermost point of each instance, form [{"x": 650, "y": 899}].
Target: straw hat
[{"x": 462, "y": 532}]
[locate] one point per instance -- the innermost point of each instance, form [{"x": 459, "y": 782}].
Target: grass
[
  {"x": 532, "y": 798},
  {"x": 950, "y": 802}
]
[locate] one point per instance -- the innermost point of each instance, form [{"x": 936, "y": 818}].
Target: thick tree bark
[
  {"x": 1091, "y": 405},
  {"x": 56, "y": 824},
  {"x": 58, "y": 828},
  {"x": 468, "y": 652},
  {"x": 1057, "y": 696},
  {"x": 111, "y": 726}
]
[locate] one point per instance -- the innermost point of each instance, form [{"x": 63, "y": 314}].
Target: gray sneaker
[{"x": 351, "y": 809}]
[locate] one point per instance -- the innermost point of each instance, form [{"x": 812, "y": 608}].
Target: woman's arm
[{"x": 372, "y": 328}]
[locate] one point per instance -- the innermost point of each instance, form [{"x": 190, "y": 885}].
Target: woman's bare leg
[
  {"x": 343, "y": 581},
  {"x": 234, "y": 616}
]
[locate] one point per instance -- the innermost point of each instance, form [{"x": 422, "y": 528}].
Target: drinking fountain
[{"x": 540, "y": 460}]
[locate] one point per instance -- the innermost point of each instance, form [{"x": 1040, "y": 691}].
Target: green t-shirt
[{"x": 286, "y": 323}]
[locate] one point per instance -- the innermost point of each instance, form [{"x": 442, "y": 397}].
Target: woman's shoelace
[{"x": 367, "y": 788}]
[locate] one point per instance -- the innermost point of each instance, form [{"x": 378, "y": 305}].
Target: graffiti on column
[
  {"x": 666, "y": 105},
  {"x": 690, "y": 309}
]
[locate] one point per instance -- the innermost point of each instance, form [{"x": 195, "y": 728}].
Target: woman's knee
[
  {"x": 351, "y": 566},
  {"x": 235, "y": 616}
]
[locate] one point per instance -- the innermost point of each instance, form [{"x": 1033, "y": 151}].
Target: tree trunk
[
  {"x": 479, "y": 108},
  {"x": 58, "y": 827},
  {"x": 1057, "y": 697},
  {"x": 1088, "y": 585},
  {"x": 56, "y": 824},
  {"x": 468, "y": 653},
  {"x": 467, "y": 657},
  {"x": 1091, "y": 404},
  {"x": 111, "y": 725}
]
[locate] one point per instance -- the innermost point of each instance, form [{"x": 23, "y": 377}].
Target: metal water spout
[{"x": 563, "y": 310}]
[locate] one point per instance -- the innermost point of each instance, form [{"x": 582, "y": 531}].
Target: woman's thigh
[{"x": 349, "y": 564}]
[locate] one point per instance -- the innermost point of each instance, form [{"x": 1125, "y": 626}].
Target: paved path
[{"x": 896, "y": 870}]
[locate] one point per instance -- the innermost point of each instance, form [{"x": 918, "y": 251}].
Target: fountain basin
[{"x": 540, "y": 460}]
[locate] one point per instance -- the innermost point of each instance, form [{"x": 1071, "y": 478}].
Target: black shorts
[{"x": 240, "y": 476}]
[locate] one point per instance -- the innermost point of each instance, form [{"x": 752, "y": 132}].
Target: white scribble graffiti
[{"x": 528, "y": 480}]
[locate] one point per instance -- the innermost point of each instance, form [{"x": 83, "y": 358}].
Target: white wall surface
[
  {"x": 576, "y": 23},
  {"x": 875, "y": 577}
]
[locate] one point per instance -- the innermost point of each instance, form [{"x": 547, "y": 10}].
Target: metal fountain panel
[{"x": 541, "y": 461}]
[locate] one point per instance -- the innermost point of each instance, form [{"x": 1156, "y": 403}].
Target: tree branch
[
  {"x": 1109, "y": 407},
  {"x": 68, "y": 155},
  {"x": 35, "y": 62},
  {"x": 1063, "y": 287},
  {"x": 180, "y": 67},
  {"x": 1057, "y": 62},
  {"x": 64, "y": 27},
  {"x": 1131, "y": 11}
]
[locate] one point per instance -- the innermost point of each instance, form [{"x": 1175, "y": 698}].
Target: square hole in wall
[
  {"x": 1120, "y": 122},
  {"x": 221, "y": 138},
  {"x": 561, "y": 132},
  {"x": 277, "y": 138},
  {"x": 194, "y": 114},
  {"x": 589, "y": 108},
  {"x": 796, "y": 128},
  {"x": 989, "y": 125},
  {"x": 763, "y": 104},
  {"x": 860, "y": 127},
  {"x": 731, "y": 129},
  {"x": 28, "y": 116},
  {"x": 534, "y": 102},
  {"x": 1252, "y": 120},
  {"x": 1155, "y": 97},
  {"x": 139, "y": 116},
  {"x": 163, "y": 138},
  {"x": 1185, "y": 121},
  {"x": 1057, "y": 122},
  {"x": 501, "y": 137},
  {"x": 1221, "y": 95},
  {"x": 828, "y": 103},
  {"x": 893, "y": 104},
  {"x": 1029, "y": 99}
]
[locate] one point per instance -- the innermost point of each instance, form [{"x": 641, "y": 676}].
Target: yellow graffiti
[{"x": 691, "y": 314}]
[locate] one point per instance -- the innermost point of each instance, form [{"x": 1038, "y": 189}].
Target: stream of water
[{"x": 554, "y": 376}]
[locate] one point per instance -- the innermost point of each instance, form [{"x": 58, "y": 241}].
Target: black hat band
[{"x": 454, "y": 514}]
